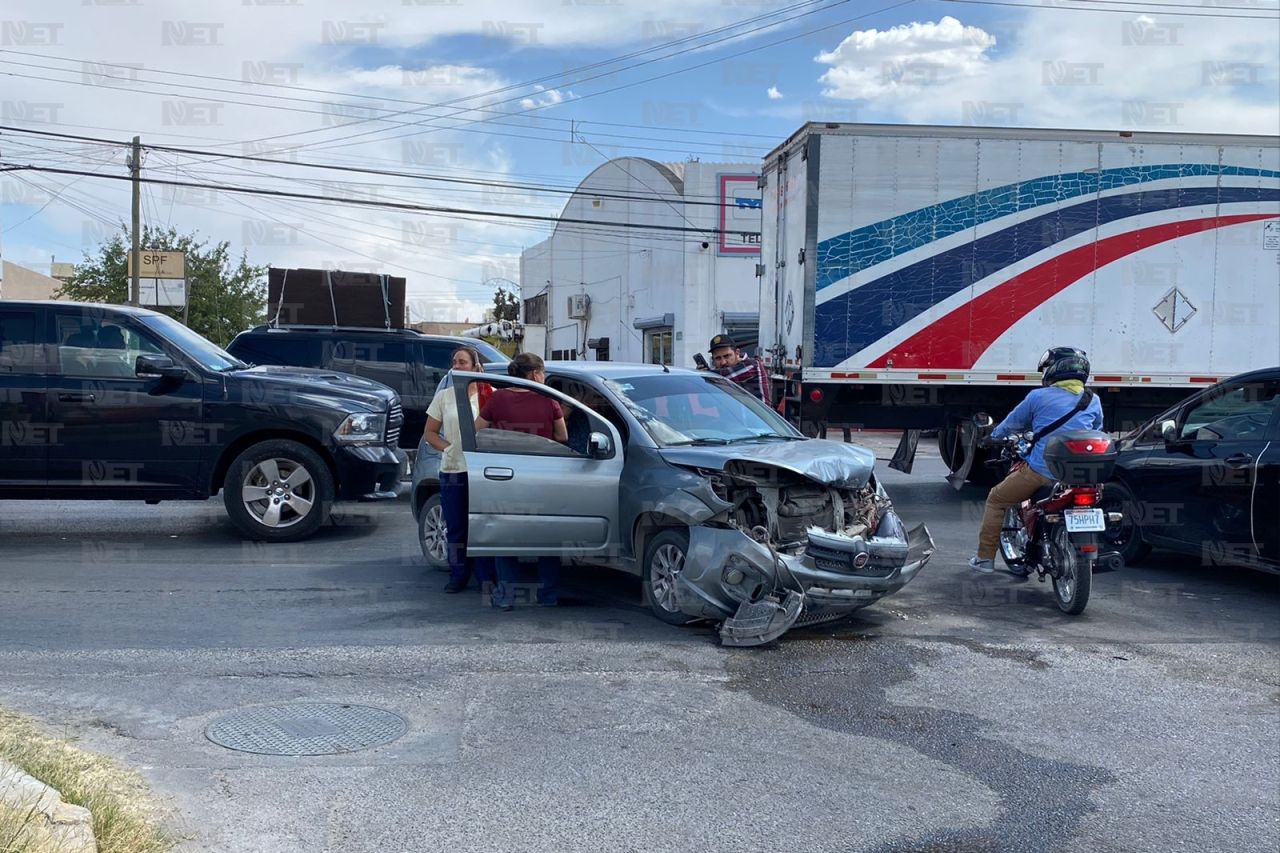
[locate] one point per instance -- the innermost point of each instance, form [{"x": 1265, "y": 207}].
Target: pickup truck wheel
[
  {"x": 431, "y": 534},
  {"x": 664, "y": 557},
  {"x": 278, "y": 491}
]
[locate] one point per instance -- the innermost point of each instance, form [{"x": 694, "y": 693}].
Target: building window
[
  {"x": 660, "y": 346},
  {"x": 535, "y": 310}
]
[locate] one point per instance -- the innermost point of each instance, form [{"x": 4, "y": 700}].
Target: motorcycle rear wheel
[
  {"x": 1013, "y": 543},
  {"x": 1072, "y": 574}
]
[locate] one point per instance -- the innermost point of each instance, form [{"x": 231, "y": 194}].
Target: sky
[{"x": 492, "y": 93}]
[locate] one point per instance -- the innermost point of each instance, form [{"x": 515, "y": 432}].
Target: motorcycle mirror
[{"x": 982, "y": 420}]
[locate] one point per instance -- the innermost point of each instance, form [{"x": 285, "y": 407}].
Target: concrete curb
[{"x": 68, "y": 827}]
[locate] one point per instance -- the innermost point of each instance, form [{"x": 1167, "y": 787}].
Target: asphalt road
[{"x": 963, "y": 714}]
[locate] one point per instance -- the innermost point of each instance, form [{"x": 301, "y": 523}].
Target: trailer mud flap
[
  {"x": 905, "y": 456},
  {"x": 760, "y": 622},
  {"x": 969, "y": 446}
]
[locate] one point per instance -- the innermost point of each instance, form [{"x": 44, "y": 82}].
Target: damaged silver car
[{"x": 726, "y": 512}]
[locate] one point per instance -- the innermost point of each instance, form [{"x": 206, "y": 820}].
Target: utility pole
[{"x": 135, "y": 260}]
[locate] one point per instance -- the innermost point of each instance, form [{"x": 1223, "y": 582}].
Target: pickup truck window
[
  {"x": 203, "y": 351},
  {"x": 19, "y": 352}
]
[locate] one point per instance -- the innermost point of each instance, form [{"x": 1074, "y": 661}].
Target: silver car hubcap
[
  {"x": 668, "y": 560},
  {"x": 278, "y": 492},
  {"x": 434, "y": 541}
]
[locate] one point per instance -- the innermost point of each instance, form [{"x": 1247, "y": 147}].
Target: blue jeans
[
  {"x": 509, "y": 579},
  {"x": 453, "y": 503}
]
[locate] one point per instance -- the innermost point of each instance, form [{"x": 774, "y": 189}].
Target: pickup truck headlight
[{"x": 365, "y": 428}]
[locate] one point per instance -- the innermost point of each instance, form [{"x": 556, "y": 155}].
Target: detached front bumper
[
  {"x": 758, "y": 594},
  {"x": 367, "y": 473}
]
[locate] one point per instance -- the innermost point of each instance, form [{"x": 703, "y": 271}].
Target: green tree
[
  {"x": 225, "y": 297},
  {"x": 506, "y": 305}
]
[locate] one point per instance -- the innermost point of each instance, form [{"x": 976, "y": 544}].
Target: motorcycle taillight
[
  {"x": 1084, "y": 497},
  {"x": 1087, "y": 445}
]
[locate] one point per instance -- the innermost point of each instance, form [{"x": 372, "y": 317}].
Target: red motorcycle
[{"x": 1056, "y": 533}]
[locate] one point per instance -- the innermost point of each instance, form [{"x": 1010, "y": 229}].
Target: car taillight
[
  {"x": 1083, "y": 498},
  {"x": 1088, "y": 445},
  {"x": 816, "y": 395}
]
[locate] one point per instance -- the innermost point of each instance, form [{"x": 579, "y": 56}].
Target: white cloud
[
  {"x": 1073, "y": 70},
  {"x": 446, "y": 260},
  {"x": 544, "y": 98},
  {"x": 774, "y": 94},
  {"x": 874, "y": 63}
]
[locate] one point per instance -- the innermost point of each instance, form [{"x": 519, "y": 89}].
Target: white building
[{"x": 656, "y": 294}]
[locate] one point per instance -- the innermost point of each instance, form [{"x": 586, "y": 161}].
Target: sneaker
[
  {"x": 980, "y": 565},
  {"x": 455, "y": 586}
]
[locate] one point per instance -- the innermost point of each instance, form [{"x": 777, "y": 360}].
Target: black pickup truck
[{"x": 105, "y": 402}]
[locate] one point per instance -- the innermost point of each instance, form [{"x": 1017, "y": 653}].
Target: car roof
[
  {"x": 458, "y": 340},
  {"x": 614, "y": 369}
]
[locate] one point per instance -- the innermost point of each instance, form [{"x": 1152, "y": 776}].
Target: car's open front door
[{"x": 534, "y": 496}]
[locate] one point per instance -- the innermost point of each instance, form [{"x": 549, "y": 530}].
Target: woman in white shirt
[{"x": 442, "y": 417}]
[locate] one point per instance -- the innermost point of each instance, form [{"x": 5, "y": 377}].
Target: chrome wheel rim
[
  {"x": 1013, "y": 537},
  {"x": 1064, "y": 559},
  {"x": 668, "y": 561},
  {"x": 278, "y": 493},
  {"x": 434, "y": 534}
]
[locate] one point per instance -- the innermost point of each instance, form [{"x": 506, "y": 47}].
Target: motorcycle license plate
[{"x": 1085, "y": 520}]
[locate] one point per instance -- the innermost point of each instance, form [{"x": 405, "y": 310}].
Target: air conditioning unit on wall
[{"x": 578, "y": 305}]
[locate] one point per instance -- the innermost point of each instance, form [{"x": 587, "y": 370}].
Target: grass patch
[{"x": 124, "y": 818}]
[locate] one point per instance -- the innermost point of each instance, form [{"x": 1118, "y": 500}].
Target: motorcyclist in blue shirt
[{"x": 1065, "y": 370}]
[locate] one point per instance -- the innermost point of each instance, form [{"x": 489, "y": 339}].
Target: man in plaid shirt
[{"x": 747, "y": 372}]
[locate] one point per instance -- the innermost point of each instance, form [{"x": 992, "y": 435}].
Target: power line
[
  {"x": 1116, "y": 11},
  {"x": 461, "y": 212},
  {"x": 380, "y": 172}
]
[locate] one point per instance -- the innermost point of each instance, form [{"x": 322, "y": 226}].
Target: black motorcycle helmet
[{"x": 1062, "y": 363}]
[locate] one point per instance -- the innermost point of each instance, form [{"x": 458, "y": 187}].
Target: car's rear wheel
[
  {"x": 278, "y": 491},
  {"x": 432, "y": 535},
  {"x": 664, "y": 559},
  {"x": 1125, "y": 536}
]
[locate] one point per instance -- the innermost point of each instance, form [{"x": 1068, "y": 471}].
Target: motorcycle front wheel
[
  {"x": 1072, "y": 574},
  {"x": 1013, "y": 543}
]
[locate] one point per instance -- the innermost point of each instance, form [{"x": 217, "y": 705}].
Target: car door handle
[
  {"x": 498, "y": 473},
  {"x": 1239, "y": 460},
  {"x": 75, "y": 398}
]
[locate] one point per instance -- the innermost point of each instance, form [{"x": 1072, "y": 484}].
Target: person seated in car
[{"x": 523, "y": 410}]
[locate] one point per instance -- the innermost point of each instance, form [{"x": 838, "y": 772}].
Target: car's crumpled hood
[{"x": 831, "y": 462}]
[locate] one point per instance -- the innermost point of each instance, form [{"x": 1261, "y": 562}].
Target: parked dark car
[
  {"x": 410, "y": 363},
  {"x": 106, "y": 402},
  {"x": 1203, "y": 477},
  {"x": 725, "y": 511}
]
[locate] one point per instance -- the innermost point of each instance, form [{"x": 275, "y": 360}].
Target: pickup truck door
[
  {"x": 119, "y": 433},
  {"x": 1266, "y": 498},
  {"x": 531, "y": 496}
]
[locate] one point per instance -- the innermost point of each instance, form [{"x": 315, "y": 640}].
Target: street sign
[
  {"x": 162, "y": 292},
  {"x": 160, "y": 264}
]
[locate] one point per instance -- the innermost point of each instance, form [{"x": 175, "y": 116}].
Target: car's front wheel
[
  {"x": 278, "y": 491},
  {"x": 432, "y": 534},
  {"x": 664, "y": 558}
]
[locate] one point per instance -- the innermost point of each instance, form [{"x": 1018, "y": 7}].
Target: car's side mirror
[
  {"x": 599, "y": 446},
  {"x": 1169, "y": 431},
  {"x": 151, "y": 366}
]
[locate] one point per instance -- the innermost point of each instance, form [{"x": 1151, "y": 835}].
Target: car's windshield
[
  {"x": 688, "y": 408},
  {"x": 204, "y": 351}
]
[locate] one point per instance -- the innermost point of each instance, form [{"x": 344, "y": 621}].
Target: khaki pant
[{"x": 1009, "y": 492}]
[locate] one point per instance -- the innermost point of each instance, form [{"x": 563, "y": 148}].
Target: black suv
[
  {"x": 109, "y": 402},
  {"x": 409, "y": 362}
]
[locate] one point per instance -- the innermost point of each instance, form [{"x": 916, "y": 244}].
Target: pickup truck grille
[{"x": 395, "y": 419}]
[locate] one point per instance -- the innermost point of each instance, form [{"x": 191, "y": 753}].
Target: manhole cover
[{"x": 321, "y": 728}]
